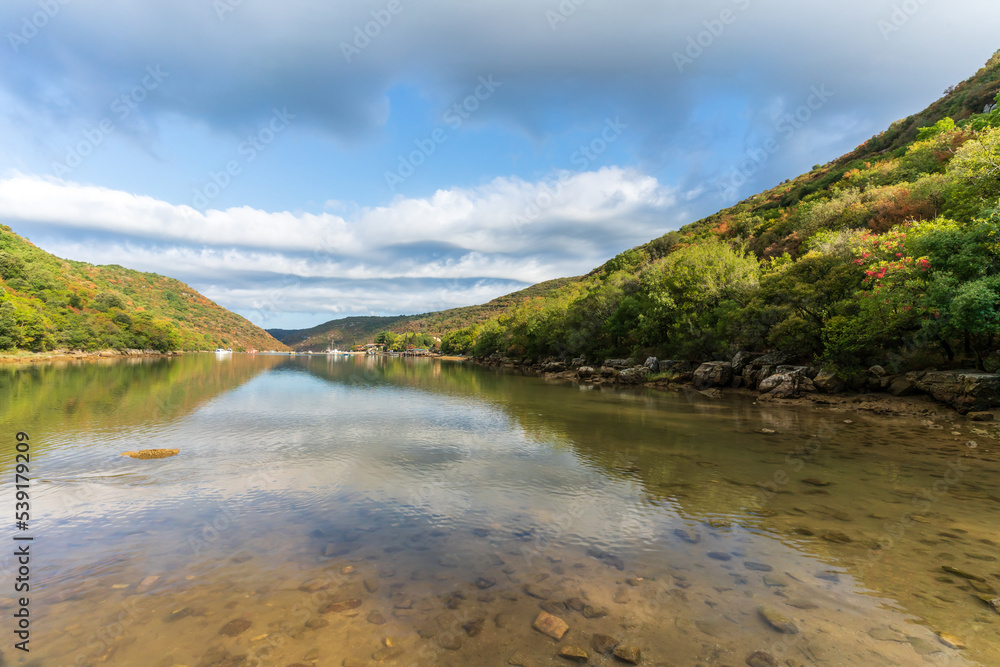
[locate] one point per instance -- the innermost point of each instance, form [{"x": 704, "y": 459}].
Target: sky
[{"x": 300, "y": 161}]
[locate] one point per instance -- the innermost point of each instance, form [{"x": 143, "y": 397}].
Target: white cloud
[
  {"x": 507, "y": 215},
  {"x": 457, "y": 247}
]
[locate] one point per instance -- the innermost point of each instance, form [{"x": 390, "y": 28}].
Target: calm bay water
[{"x": 419, "y": 512}]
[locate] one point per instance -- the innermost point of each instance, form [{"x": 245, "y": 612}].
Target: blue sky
[{"x": 305, "y": 160}]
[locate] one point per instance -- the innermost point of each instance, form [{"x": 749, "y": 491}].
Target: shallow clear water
[{"x": 322, "y": 508}]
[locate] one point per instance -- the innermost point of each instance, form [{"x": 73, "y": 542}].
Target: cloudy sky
[{"x": 302, "y": 160}]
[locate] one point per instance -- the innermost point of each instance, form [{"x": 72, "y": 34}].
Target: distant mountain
[
  {"x": 51, "y": 303},
  {"x": 344, "y": 332}
]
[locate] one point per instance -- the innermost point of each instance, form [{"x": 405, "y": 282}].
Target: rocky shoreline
[
  {"x": 77, "y": 355},
  {"x": 771, "y": 377}
]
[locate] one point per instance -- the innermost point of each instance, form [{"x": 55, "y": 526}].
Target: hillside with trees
[
  {"x": 346, "y": 332},
  {"x": 888, "y": 255},
  {"x": 49, "y": 303}
]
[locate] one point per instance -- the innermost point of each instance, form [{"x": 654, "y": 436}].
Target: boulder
[
  {"x": 753, "y": 375},
  {"x": 579, "y": 361},
  {"x": 900, "y": 386},
  {"x": 713, "y": 374},
  {"x": 618, "y": 364},
  {"x": 554, "y": 367},
  {"x": 585, "y": 372},
  {"x": 786, "y": 385},
  {"x": 877, "y": 371},
  {"x": 653, "y": 364},
  {"x": 776, "y": 358},
  {"x": 741, "y": 360},
  {"x": 771, "y": 382},
  {"x": 828, "y": 382},
  {"x": 677, "y": 371},
  {"x": 963, "y": 390},
  {"x": 804, "y": 371},
  {"x": 635, "y": 375},
  {"x": 608, "y": 372}
]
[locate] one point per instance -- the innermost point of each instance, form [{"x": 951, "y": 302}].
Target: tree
[
  {"x": 10, "y": 331},
  {"x": 107, "y": 300},
  {"x": 11, "y": 266},
  {"x": 974, "y": 312},
  {"x": 685, "y": 297},
  {"x": 978, "y": 163}
]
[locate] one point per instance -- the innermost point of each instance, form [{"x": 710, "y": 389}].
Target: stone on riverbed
[
  {"x": 836, "y": 536},
  {"x": 961, "y": 573},
  {"x": 340, "y": 606},
  {"x": 574, "y": 653},
  {"x": 536, "y": 591},
  {"x": 762, "y": 659},
  {"x": 550, "y": 625},
  {"x": 603, "y": 643},
  {"x": 951, "y": 641},
  {"x": 520, "y": 659},
  {"x": 630, "y": 654},
  {"x": 777, "y": 620},
  {"x": 475, "y": 626},
  {"x": 990, "y": 600},
  {"x": 387, "y": 654},
  {"x": 152, "y": 453},
  {"x": 757, "y": 567},
  {"x": 235, "y": 627}
]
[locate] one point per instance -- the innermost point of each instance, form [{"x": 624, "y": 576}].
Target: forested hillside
[
  {"x": 49, "y": 303},
  {"x": 890, "y": 255},
  {"x": 348, "y": 331}
]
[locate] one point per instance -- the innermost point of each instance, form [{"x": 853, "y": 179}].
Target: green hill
[
  {"x": 348, "y": 331},
  {"x": 889, "y": 254},
  {"x": 50, "y": 303}
]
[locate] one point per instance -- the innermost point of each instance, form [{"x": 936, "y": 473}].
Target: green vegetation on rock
[
  {"x": 49, "y": 303},
  {"x": 890, "y": 254}
]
